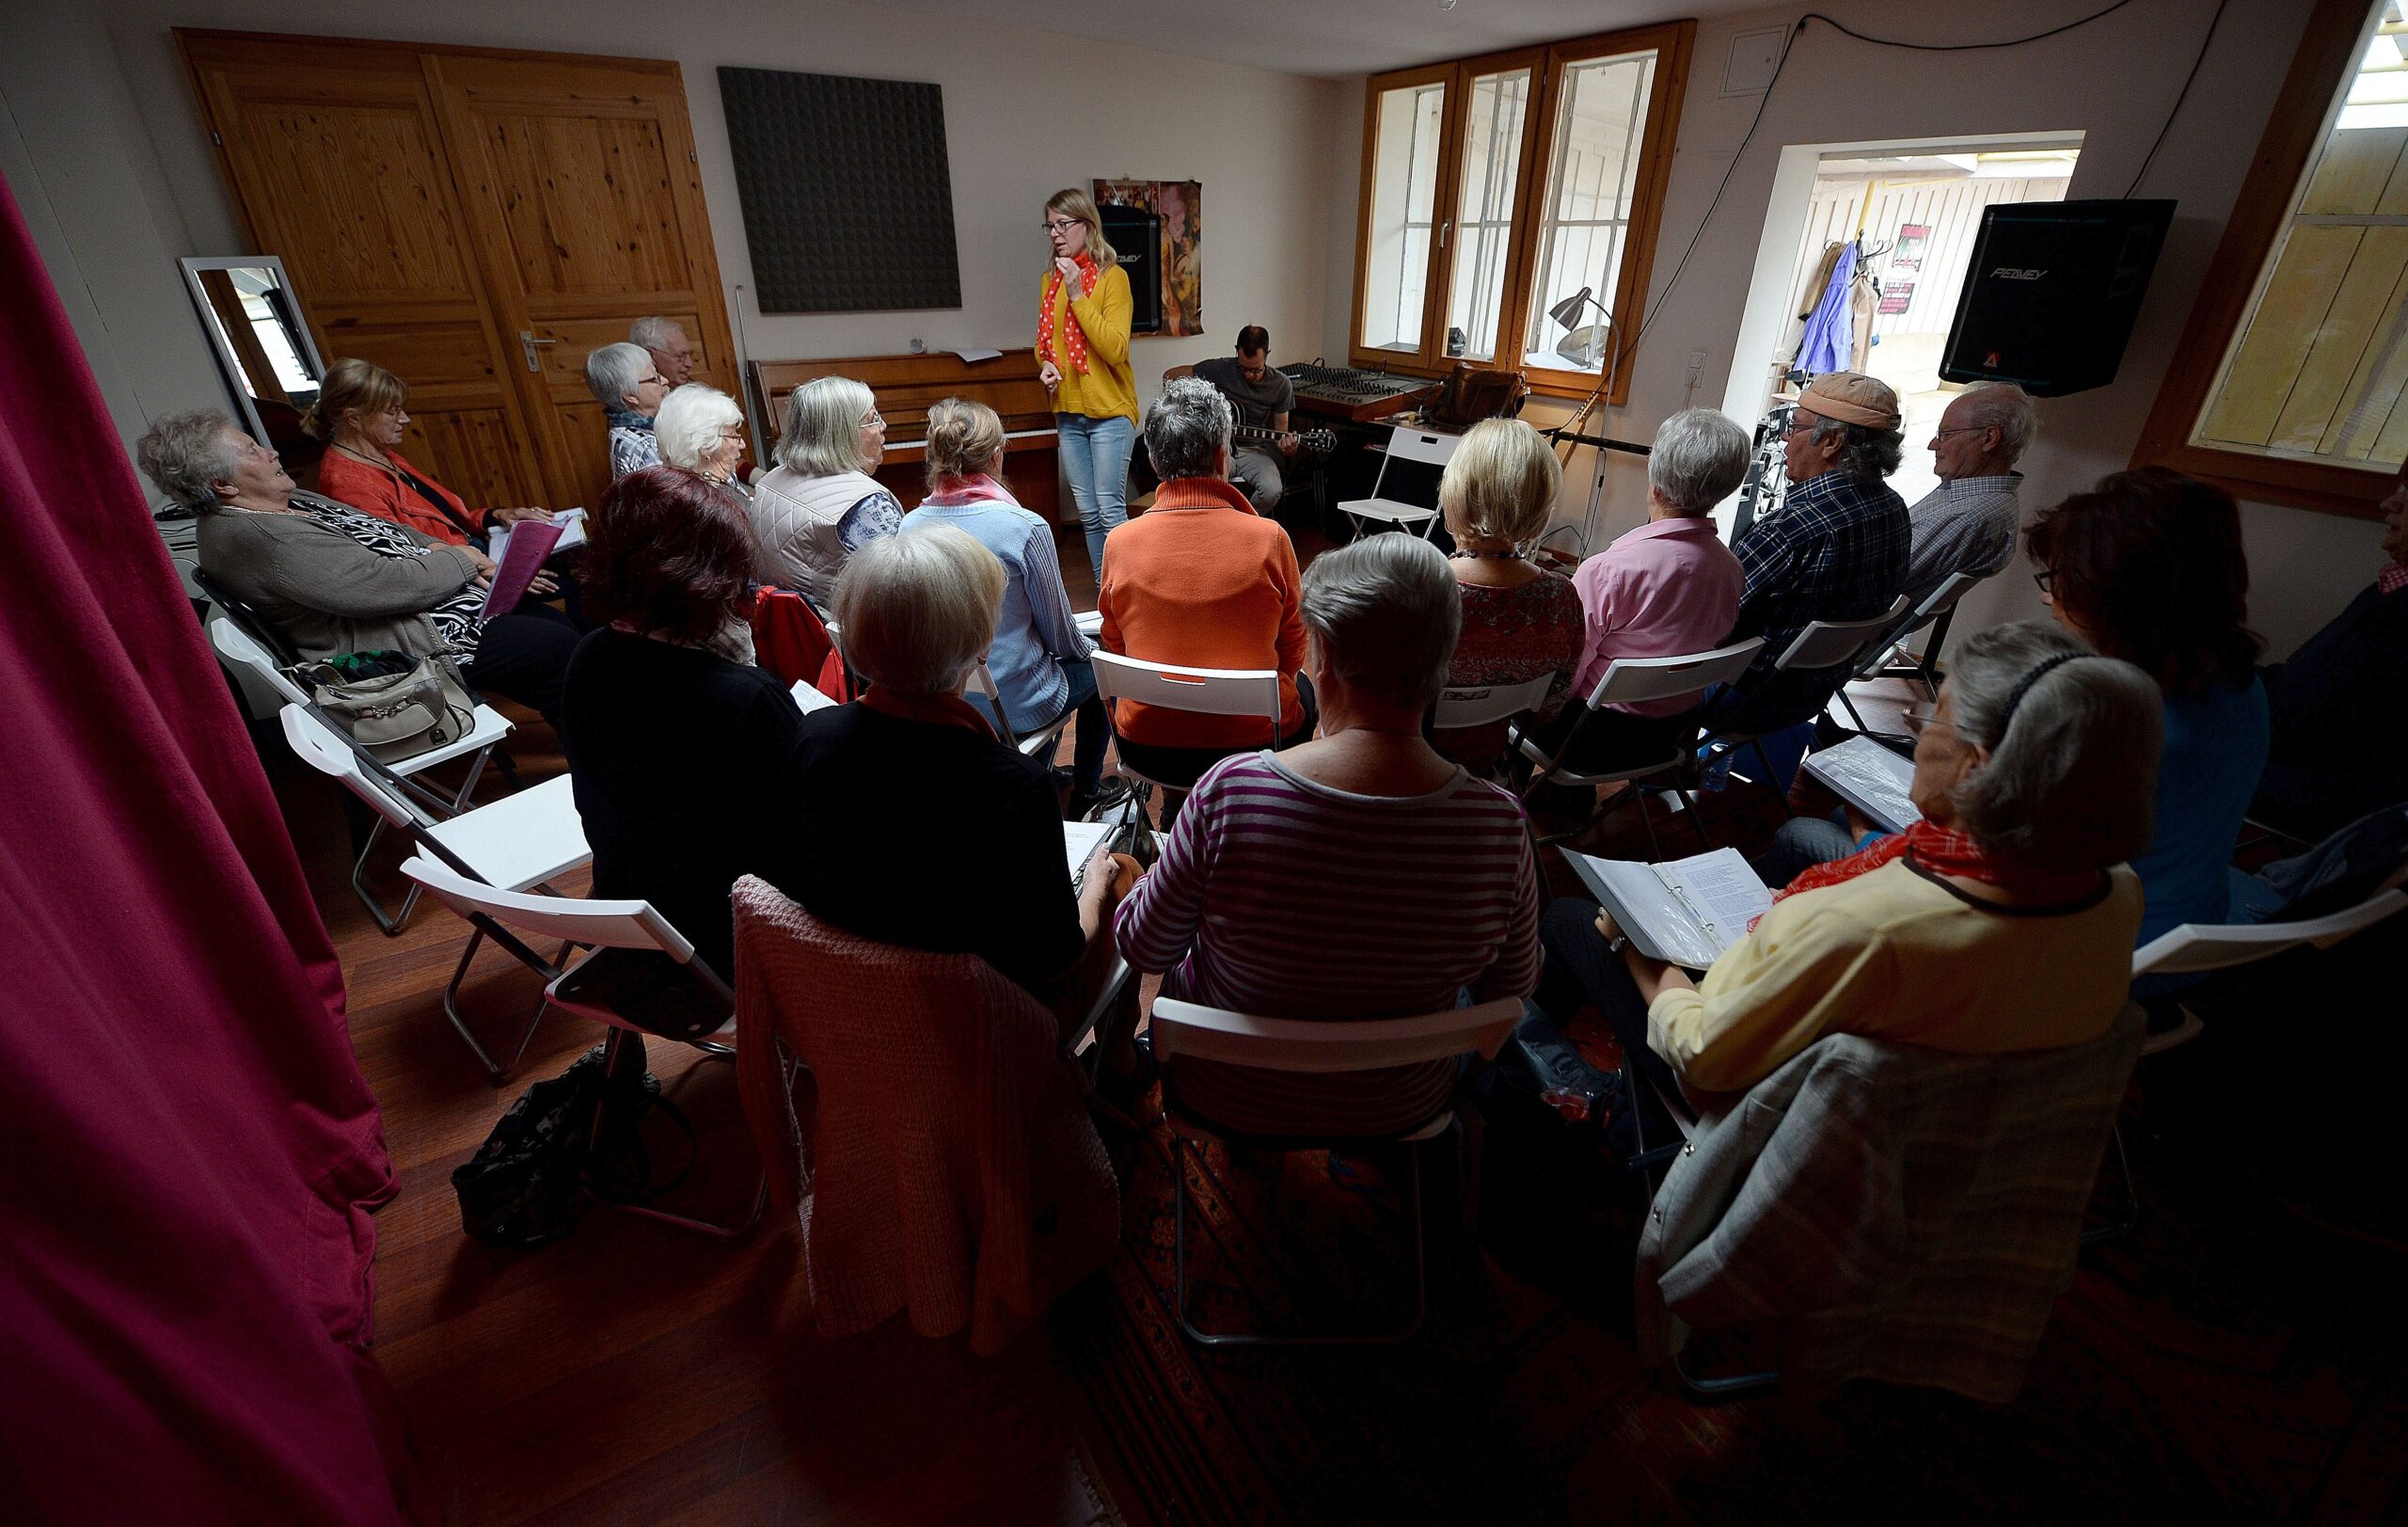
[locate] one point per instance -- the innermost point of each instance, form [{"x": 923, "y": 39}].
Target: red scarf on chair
[
  {"x": 1074, "y": 339},
  {"x": 927, "y": 709},
  {"x": 1943, "y": 852}
]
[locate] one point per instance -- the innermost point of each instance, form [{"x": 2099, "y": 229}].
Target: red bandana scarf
[
  {"x": 1945, "y": 852},
  {"x": 1074, "y": 339},
  {"x": 927, "y": 709}
]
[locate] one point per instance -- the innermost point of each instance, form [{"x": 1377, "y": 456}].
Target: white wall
[
  {"x": 109, "y": 123},
  {"x": 2113, "y": 81}
]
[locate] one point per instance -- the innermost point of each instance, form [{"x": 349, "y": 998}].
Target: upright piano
[{"x": 907, "y": 386}]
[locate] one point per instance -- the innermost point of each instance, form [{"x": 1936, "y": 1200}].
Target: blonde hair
[
  {"x": 352, "y": 383},
  {"x": 823, "y": 433},
  {"x": 1501, "y": 482},
  {"x": 963, "y": 436},
  {"x": 1074, "y": 204},
  {"x": 918, "y": 610}
]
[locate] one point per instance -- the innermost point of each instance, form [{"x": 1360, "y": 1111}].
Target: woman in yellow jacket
[{"x": 1082, "y": 359}]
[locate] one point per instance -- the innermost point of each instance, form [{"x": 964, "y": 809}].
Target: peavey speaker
[
  {"x": 2052, "y": 293},
  {"x": 1137, "y": 235}
]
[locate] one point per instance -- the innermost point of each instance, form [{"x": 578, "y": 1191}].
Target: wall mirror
[{"x": 253, "y": 319}]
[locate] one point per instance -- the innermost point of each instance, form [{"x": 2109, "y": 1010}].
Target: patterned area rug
[{"x": 2223, "y": 1363}]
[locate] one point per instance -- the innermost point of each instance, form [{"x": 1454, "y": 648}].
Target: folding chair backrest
[
  {"x": 984, "y": 682},
  {"x": 236, "y": 647},
  {"x": 1942, "y": 598},
  {"x": 1433, "y": 447},
  {"x": 1629, "y": 680},
  {"x": 617, "y": 925},
  {"x": 1212, "y": 692},
  {"x": 2194, "y": 946},
  {"x": 1477, "y": 705},
  {"x": 1304, "y": 1044},
  {"x": 1828, "y": 643},
  {"x": 323, "y": 749},
  {"x": 260, "y": 629}
]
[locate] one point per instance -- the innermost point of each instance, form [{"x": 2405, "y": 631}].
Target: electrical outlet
[{"x": 919, "y": 345}]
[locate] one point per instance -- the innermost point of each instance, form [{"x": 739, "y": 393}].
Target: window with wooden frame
[
  {"x": 2291, "y": 384},
  {"x": 1496, "y": 190}
]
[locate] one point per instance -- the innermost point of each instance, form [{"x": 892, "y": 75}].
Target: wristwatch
[{"x": 1617, "y": 943}]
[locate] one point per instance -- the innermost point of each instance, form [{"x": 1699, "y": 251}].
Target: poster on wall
[
  {"x": 1179, "y": 258},
  {"x": 1906, "y": 266}
]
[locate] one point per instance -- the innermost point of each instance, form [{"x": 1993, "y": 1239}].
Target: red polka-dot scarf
[{"x": 1074, "y": 339}]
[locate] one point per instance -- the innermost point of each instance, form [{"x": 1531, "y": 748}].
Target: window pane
[
  {"x": 1404, "y": 188},
  {"x": 1484, "y": 219},
  {"x": 2319, "y": 368},
  {"x": 1593, "y": 177}
]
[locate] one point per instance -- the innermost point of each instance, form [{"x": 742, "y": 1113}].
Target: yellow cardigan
[
  {"x": 1905, "y": 956},
  {"x": 1109, "y": 389}
]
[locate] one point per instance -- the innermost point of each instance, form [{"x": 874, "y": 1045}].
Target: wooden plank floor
[{"x": 634, "y": 1372}]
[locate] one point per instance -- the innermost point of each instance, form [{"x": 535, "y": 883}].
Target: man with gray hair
[
  {"x": 665, "y": 338},
  {"x": 1968, "y": 523}
]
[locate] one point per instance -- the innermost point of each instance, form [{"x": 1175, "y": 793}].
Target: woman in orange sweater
[
  {"x": 1201, "y": 581},
  {"x": 359, "y": 415},
  {"x": 1083, "y": 320}
]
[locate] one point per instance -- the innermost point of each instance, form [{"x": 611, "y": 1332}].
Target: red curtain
[{"x": 188, "y": 1151}]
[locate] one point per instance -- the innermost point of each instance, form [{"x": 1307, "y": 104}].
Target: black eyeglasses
[
  {"x": 2047, "y": 578},
  {"x": 1920, "y": 719},
  {"x": 1056, "y": 225}
]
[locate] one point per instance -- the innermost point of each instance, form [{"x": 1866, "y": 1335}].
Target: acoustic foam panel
[{"x": 847, "y": 191}]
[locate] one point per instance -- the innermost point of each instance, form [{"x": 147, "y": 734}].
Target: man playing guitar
[{"x": 1261, "y": 398}]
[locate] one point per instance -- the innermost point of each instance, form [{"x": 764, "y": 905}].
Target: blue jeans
[{"x": 1095, "y": 457}]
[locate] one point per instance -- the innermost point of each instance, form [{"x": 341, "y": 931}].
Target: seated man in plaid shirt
[{"x": 1836, "y": 549}]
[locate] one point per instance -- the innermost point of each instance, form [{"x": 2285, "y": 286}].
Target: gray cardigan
[{"x": 327, "y": 593}]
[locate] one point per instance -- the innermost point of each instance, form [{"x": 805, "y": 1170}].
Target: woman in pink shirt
[{"x": 1665, "y": 590}]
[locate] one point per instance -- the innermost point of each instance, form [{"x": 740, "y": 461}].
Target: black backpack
[{"x": 569, "y": 1140}]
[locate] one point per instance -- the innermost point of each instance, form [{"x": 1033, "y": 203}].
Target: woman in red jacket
[{"x": 359, "y": 415}]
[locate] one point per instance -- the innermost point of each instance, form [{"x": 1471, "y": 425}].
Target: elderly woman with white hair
[
  {"x": 629, "y": 388},
  {"x": 2035, "y": 770},
  {"x": 1521, "y": 622},
  {"x": 821, "y": 505},
  {"x": 702, "y": 430},
  {"x": 1664, "y": 590},
  {"x": 985, "y": 875},
  {"x": 1358, "y": 875}
]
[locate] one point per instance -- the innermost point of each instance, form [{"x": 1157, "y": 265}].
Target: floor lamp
[{"x": 1584, "y": 348}]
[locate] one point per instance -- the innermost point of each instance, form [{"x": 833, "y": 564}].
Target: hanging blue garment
[{"x": 1830, "y": 340}]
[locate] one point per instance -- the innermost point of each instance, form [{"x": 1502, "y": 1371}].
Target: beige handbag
[{"x": 393, "y": 712}]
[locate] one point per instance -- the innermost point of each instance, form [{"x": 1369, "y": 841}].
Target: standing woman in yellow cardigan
[{"x": 1082, "y": 359}]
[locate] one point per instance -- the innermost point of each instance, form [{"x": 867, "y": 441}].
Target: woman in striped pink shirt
[{"x": 1359, "y": 875}]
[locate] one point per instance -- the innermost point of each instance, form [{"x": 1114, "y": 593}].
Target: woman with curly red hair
[{"x": 676, "y": 750}]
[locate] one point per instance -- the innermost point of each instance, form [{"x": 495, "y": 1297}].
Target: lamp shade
[{"x": 1567, "y": 312}]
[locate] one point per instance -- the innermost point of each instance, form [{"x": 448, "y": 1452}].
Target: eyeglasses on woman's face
[
  {"x": 1921, "y": 718},
  {"x": 2047, "y": 578},
  {"x": 1060, "y": 225},
  {"x": 873, "y": 420}
]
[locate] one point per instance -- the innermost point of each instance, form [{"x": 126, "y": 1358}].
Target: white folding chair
[
  {"x": 2194, "y": 947},
  {"x": 236, "y": 647},
  {"x": 1432, "y": 448},
  {"x": 1212, "y": 692},
  {"x": 597, "y": 926},
  {"x": 1039, "y": 744},
  {"x": 1305, "y": 1045},
  {"x": 1824, "y": 644},
  {"x": 522, "y": 841},
  {"x": 1934, "y": 609},
  {"x": 1478, "y": 705},
  {"x": 1628, "y": 682}
]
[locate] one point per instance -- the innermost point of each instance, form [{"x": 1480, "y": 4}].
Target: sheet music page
[
  {"x": 1646, "y": 907},
  {"x": 1871, "y": 778},
  {"x": 572, "y": 524},
  {"x": 1721, "y": 891}
]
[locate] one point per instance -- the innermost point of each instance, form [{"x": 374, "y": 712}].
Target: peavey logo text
[{"x": 2011, "y": 273}]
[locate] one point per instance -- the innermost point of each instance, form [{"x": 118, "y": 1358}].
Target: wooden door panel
[
  {"x": 338, "y": 163},
  {"x": 580, "y": 176}
]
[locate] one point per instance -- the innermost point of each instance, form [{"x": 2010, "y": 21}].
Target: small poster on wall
[
  {"x": 1905, "y": 264},
  {"x": 1179, "y": 258}
]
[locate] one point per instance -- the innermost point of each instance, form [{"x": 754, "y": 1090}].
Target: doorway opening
[{"x": 1864, "y": 255}]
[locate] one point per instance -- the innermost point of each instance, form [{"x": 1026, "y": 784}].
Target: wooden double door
[{"x": 475, "y": 221}]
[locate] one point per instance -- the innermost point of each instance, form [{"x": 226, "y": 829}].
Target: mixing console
[{"x": 1344, "y": 393}]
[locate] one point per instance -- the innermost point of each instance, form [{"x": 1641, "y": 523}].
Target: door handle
[{"x": 528, "y": 342}]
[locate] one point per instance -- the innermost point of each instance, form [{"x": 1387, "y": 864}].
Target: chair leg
[
  {"x": 1696, "y": 820},
  {"x": 2132, "y": 1215},
  {"x": 494, "y": 1072},
  {"x": 392, "y": 924},
  {"x": 614, "y": 1051},
  {"x": 1853, "y": 714},
  {"x": 1180, "y": 1144},
  {"x": 1647, "y": 821}
]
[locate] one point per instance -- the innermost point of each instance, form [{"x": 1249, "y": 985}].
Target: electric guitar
[{"x": 1309, "y": 442}]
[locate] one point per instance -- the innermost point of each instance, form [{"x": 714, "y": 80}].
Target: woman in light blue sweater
[{"x": 1040, "y": 660}]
